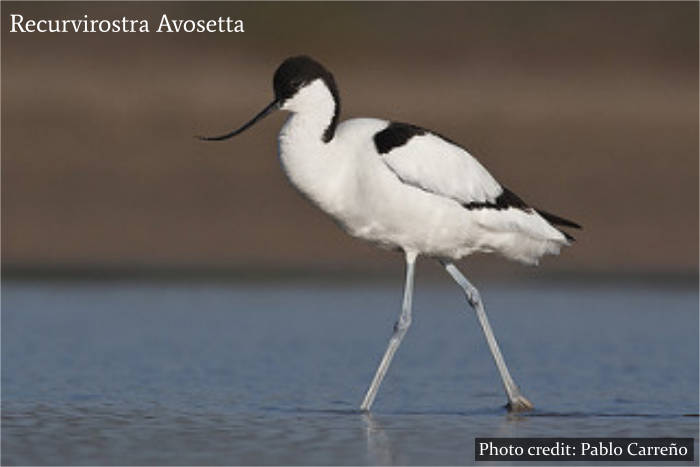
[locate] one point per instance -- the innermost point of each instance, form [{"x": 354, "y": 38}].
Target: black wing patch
[
  {"x": 398, "y": 134},
  {"x": 505, "y": 200},
  {"x": 508, "y": 199},
  {"x": 556, "y": 220},
  {"x": 395, "y": 135}
]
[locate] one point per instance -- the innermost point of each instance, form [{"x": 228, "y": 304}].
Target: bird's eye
[{"x": 296, "y": 83}]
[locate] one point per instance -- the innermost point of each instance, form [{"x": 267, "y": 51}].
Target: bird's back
[{"x": 442, "y": 194}]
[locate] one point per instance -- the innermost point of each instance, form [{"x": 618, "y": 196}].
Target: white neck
[
  {"x": 313, "y": 108},
  {"x": 305, "y": 156}
]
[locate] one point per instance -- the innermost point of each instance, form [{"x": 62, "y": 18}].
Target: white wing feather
[{"x": 438, "y": 166}]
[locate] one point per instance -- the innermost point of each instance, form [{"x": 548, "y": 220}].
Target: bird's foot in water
[{"x": 519, "y": 404}]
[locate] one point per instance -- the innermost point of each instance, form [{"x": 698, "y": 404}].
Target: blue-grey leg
[
  {"x": 516, "y": 401},
  {"x": 400, "y": 329}
]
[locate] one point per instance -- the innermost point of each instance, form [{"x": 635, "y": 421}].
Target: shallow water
[{"x": 138, "y": 373}]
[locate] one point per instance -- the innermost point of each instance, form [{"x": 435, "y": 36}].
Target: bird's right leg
[
  {"x": 516, "y": 401},
  {"x": 400, "y": 329}
]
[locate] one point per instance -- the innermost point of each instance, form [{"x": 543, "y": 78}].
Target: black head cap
[{"x": 296, "y": 72}]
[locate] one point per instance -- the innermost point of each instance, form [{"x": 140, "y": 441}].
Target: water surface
[{"x": 170, "y": 373}]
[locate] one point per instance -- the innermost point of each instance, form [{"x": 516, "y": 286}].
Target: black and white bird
[{"x": 403, "y": 187}]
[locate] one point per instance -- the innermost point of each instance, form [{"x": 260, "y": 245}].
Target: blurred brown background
[{"x": 589, "y": 110}]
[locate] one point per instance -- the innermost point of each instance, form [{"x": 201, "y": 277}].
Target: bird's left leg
[
  {"x": 516, "y": 401},
  {"x": 400, "y": 329}
]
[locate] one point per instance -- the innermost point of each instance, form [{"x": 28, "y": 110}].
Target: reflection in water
[
  {"x": 379, "y": 450},
  {"x": 511, "y": 425},
  {"x": 382, "y": 450}
]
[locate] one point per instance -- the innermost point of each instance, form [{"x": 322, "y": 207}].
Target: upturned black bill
[{"x": 264, "y": 113}]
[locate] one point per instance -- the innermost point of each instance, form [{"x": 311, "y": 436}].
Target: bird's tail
[
  {"x": 559, "y": 221},
  {"x": 523, "y": 235}
]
